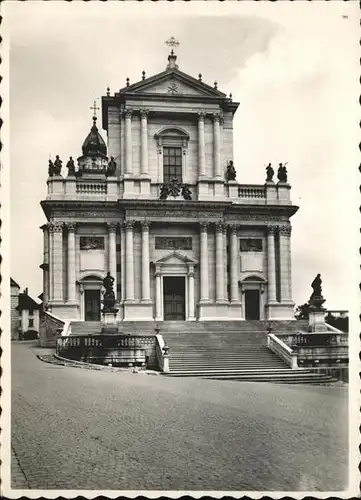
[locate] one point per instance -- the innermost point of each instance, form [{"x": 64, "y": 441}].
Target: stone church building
[{"x": 159, "y": 207}]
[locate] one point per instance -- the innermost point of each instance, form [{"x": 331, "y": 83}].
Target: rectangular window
[
  {"x": 31, "y": 323},
  {"x": 172, "y": 164}
]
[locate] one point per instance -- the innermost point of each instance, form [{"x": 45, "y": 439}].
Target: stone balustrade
[
  {"x": 112, "y": 188},
  {"x": 103, "y": 349},
  {"x": 282, "y": 350},
  {"x": 91, "y": 188},
  {"x": 251, "y": 191}
]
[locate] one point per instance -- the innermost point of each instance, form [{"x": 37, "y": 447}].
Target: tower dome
[{"x": 94, "y": 144}]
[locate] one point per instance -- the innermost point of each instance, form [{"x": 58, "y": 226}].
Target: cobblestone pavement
[{"x": 75, "y": 428}]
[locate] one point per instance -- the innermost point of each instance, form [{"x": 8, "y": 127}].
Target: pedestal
[
  {"x": 109, "y": 321},
  {"x": 316, "y": 321}
]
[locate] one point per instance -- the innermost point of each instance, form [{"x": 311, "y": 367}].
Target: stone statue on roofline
[
  {"x": 270, "y": 173},
  {"x": 186, "y": 192},
  {"x": 71, "y": 167},
  {"x": 282, "y": 172},
  {"x": 51, "y": 169},
  {"x": 112, "y": 167},
  {"x": 57, "y": 165},
  {"x": 231, "y": 172}
]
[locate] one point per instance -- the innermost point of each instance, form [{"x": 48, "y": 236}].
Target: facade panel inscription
[
  {"x": 91, "y": 243},
  {"x": 250, "y": 245},
  {"x": 174, "y": 243}
]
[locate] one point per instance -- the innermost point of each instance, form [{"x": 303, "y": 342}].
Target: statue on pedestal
[
  {"x": 270, "y": 173},
  {"x": 231, "y": 172},
  {"x": 71, "y": 167},
  {"x": 109, "y": 296},
  {"x": 112, "y": 166},
  {"x": 57, "y": 165},
  {"x": 51, "y": 169},
  {"x": 282, "y": 172},
  {"x": 316, "y": 299}
]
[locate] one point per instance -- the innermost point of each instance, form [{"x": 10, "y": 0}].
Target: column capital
[
  {"x": 129, "y": 224},
  {"x": 128, "y": 113},
  {"x": 233, "y": 228},
  {"x": 112, "y": 227},
  {"x": 220, "y": 227},
  {"x": 272, "y": 229},
  {"x": 204, "y": 226},
  {"x": 285, "y": 230},
  {"x": 218, "y": 117},
  {"x": 145, "y": 225},
  {"x": 144, "y": 113},
  {"x": 71, "y": 226},
  {"x": 56, "y": 227},
  {"x": 201, "y": 116}
]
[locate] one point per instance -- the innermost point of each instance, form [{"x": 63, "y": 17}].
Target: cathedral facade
[{"x": 159, "y": 207}]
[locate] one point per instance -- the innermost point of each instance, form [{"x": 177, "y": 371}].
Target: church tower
[{"x": 160, "y": 208}]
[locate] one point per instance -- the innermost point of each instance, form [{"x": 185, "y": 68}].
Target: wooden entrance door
[
  {"x": 174, "y": 298},
  {"x": 92, "y": 305},
  {"x": 252, "y": 304}
]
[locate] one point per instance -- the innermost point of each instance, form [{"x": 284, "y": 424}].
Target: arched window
[{"x": 172, "y": 143}]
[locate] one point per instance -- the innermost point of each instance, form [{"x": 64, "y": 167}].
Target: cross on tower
[
  {"x": 172, "y": 42},
  {"x": 95, "y": 109}
]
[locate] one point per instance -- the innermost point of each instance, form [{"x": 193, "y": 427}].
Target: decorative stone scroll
[
  {"x": 175, "y": 243},
  {"x": 91, "y": 243},
  {"x": 250, "y": 244}
]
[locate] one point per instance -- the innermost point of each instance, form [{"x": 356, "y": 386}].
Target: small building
[
  {"x": 25, "y": 313},
  {"x": 14, "y": 314}
]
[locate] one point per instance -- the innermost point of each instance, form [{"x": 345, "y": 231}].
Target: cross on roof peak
[
  {"x": 94, "y": 108},
  {"x": 172, "y": 42}
]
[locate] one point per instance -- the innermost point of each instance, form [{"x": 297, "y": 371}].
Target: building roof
[
  {"x": 27, "y": 302},
  {"x": 170, "y": 84},
  {"x": 94, "y": 144},
  {"x": 13, "y": 283}
]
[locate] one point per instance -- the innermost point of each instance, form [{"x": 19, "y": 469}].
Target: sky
[{"x": 293, "y": 66}]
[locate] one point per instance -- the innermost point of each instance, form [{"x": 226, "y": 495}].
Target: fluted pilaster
[
  {"x": 129, "y": 261},
  {"x": 71, "y": 261}
]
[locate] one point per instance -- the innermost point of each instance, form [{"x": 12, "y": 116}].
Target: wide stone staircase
[{"x": 224, "y": 350}]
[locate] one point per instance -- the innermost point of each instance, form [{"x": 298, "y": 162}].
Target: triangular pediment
[
  {"x": 175, "y": 258},
  {"x": 173, "y": 82}
]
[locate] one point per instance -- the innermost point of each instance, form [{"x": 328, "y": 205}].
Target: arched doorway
[
  {"x": 90, "y": 297},
  {"x": 252, "y": 288}
]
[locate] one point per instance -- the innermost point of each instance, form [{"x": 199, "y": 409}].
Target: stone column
[
  {"x": 271, "y": 263},
  {"x": 122, "y": 142},
  {"x": 122, "y": 262},
  {"x": 219, "y": 263},
  {"x": 46, "y": 264},
  {"x": 58, "y": 261},
  {"x": 191, "y": 316},
  {"x": 284, "y": 235},
  {"x": 143, "y": 142},
  {"x": 128, "y": 141},
  {"x": 204, "y": 295},
  {"x": 51, "y": 261},
  {"x": 201, "y": 145},
  {"x": 129, "y": 261},
  {"x": 71, "y": 262},
  {"x": 145, "y": 263},
  {"x": 158, "y": 297},
  {"x": 234, "y": 260},
  {"x": 112, "y": 264},
  {"x": 217, "y": 145}
]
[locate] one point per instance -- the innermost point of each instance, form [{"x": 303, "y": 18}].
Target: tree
[{"x": 302, "y": 311}]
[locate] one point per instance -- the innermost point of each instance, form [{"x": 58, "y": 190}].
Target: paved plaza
[{"x": 75, "y": 428}]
